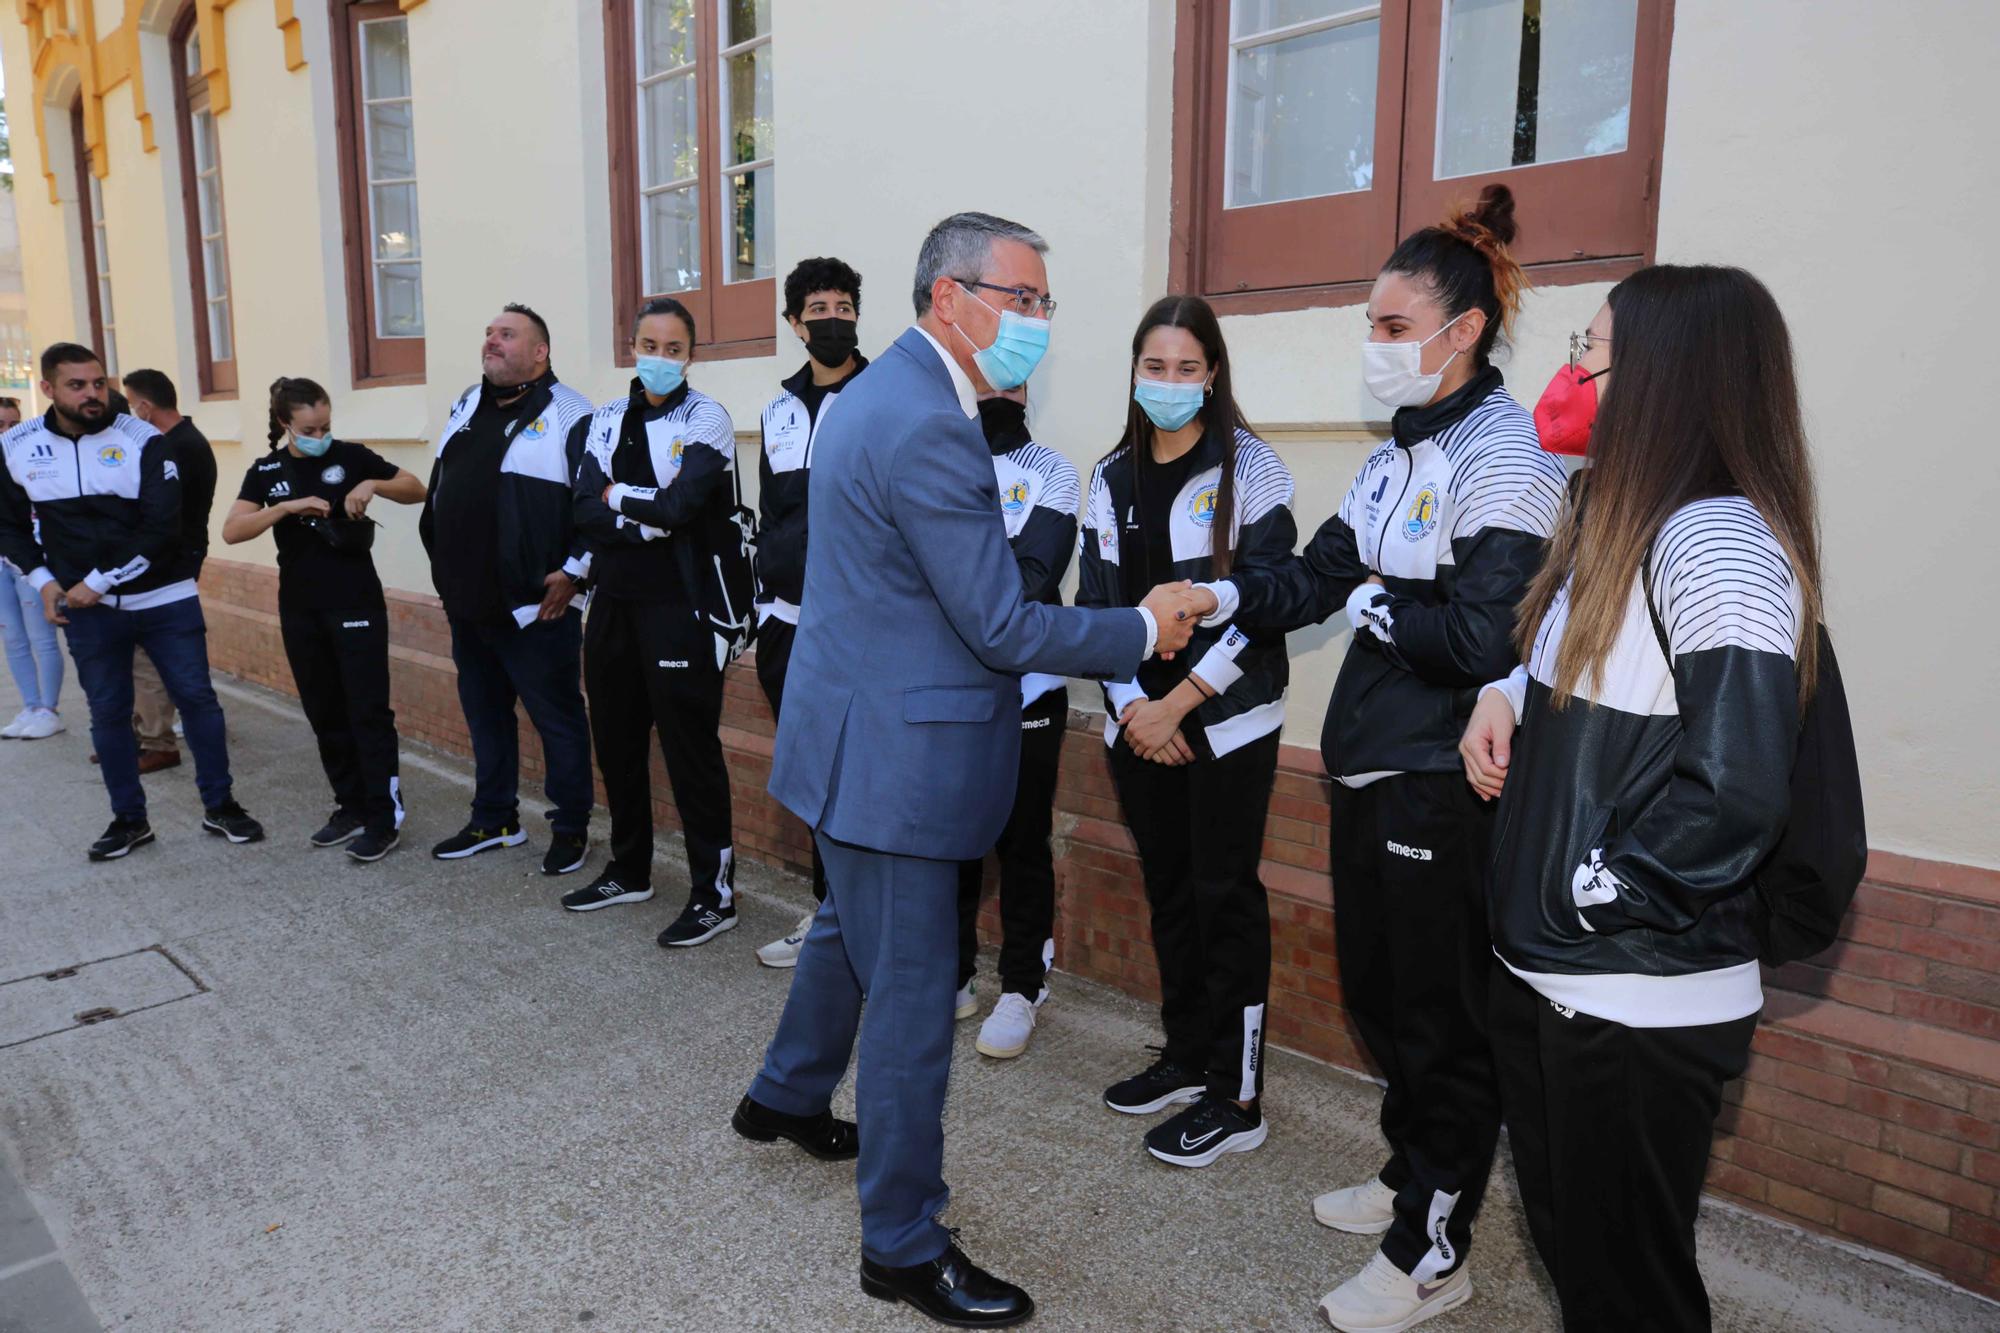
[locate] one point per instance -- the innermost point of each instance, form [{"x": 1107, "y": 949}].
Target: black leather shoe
[
  {"x": 822, "y": 1135},
  {"x": 950, "y": 1289}
]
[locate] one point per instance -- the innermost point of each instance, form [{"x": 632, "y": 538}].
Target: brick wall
[{"x": 1871, "y": 1108}]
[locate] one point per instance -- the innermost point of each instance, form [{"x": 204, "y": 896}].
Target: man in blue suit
[{"x": 900, "y": 738}]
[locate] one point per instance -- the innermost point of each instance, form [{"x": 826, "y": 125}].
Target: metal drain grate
[{"x": 63, "y": 999}]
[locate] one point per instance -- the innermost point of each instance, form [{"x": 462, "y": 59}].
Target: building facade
[{"x": 231, "y": 191}]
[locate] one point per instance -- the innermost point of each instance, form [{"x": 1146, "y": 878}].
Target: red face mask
[{"x": 1567, "y": 408}]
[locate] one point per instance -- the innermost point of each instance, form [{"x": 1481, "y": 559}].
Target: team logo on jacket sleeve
[
  {"x": 1014, "y": 497},
  {"x": 1201, "y": 506},
  {"x": 1420, "y": 520},
  {"x": 112, "y": 455}
]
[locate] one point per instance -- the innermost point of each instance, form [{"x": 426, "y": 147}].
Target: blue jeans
[
  {"x": 175, "y": 636},
  {"x": 32, "y": 652},
  {"x": 542, "y": 667}
]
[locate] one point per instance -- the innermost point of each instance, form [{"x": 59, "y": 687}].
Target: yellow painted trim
[
  {"x": 409, "y": 5},
  {"x": 288, "y": 24}
]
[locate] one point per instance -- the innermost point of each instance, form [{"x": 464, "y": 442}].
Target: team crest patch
[
  {"x": 1421, "y": 518},
  {"x": 680, "y": 447},
  {"x": 536, "y": 431},
  {"x": 1015, "y": 498},
  {"x": 112, "y": 455},
  {"x": 1202, "y": 507},
  {"x": 334, "y": 475}
]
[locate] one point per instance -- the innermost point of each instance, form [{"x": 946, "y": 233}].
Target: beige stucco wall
[{"x": 1819, "y": 145}]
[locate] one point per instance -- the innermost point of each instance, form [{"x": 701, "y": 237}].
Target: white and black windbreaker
[
  {"x": 1039, "y": 493},
  {"x": 1634, "y": 816},
  {"x": 790, "y": 423},
  {"x": 1452, "y": 514},
  {"x": 1244, "y": 664},
  {"x": 104, "y": 510}
]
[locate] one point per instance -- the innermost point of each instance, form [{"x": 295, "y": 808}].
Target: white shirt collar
[{"x": 968, "y": 397}]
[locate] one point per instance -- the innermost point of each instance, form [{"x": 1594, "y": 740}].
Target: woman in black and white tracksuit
[
  {"x": 1429, "y": 555},
  {"x": 654, "y": 485},
  {"x": 1190, "y": 493},
  {"x": 1657, "y": 717}
]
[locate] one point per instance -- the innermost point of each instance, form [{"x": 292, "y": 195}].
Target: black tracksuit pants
[
  {"x": 1027, "y": 866},
  {"x": 340, "y": 663},
  {"x": 774, "y": 659},
  {"x": 1610, "y": 1128},
  {"x": 1409, "y": 921},
  {"x": 1200, "y": 832},
  {"x": 650, "y": 665}
]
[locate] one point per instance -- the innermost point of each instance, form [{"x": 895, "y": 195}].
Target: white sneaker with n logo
[{"x": 1382, "y": 1298}]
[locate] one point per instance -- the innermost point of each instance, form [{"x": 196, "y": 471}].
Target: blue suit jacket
[{"x": 901, "y": 730}]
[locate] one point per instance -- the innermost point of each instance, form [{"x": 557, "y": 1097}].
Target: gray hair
[{"x": 960, "y": 247}]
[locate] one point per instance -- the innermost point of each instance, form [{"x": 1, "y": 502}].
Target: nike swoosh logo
[
  {"x": 1426, "y": 1290},
  {"x": 1188, "y": 1145}
]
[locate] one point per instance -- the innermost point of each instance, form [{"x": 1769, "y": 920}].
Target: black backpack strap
[{"x": 1652, "y": 611}]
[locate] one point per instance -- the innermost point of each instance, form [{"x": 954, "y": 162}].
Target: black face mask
[
  {"x": 1004, "y": 421},
  {"x": 830, "y": 341}
]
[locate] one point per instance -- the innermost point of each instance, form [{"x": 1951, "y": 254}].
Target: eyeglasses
[
  {"x": 1021, "y": 300},
  {"x": 1580, "y": 345}
]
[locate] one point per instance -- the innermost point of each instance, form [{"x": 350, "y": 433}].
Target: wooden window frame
[
  {"x": 734, "y": 319},
  {"x": 377, "y": 361},
  {"x": 87, "y": 218},
  {"x": 1279, "y": 256},
  {"x": 216, "y": 375}
]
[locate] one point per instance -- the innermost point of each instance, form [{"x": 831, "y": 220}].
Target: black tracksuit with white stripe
[
  {"x": 649, "y": 658},
  {"x": 1451, "y": 515},
  {"x": 1630, "y": 824},
  {"x": 1200, "y": 826},
  {"x": 1039, "y": 493}
]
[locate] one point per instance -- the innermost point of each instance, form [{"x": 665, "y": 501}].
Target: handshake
[{"x": 1177, "y": 608}]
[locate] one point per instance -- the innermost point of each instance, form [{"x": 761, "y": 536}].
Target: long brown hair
[
  {"x": 1220, "y": 416},
  {"x": 1466, "y": 263},
  {"x": 1703, "y": 401}
]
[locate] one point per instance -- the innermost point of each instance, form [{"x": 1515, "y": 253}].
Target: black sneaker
[
  {"x": 1205, "y": 1131},
  {"x": 567, "y": 852},
  {"x": 339, "y": 829},
  {"x": 698, "y": 923},
  {"x": 373, "y": 845},
  {"x": 604, "y": 891},
  {"x": 120, "y": 838},
  {"x": 1162, "y": 1085},
  {"x": 472, "y": 840},
  {"x": 230, "y": 820}
]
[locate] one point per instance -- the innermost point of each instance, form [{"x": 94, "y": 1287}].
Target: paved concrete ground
[{"x": 418, "y": 1095}]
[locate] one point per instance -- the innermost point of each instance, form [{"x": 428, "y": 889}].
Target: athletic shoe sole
[
  {"x": 883, "y": 1292},
  {"x": 504, "y": 840},
  {"x": 575, "y": 865},
  {"x": 1437, "y": 1307},
  {"x": 629, "y": 896},
  {"x": 335, "y": 842},
  {"x": 1001, "y": 1052},
  {"x": 1240, "y": 1142},
  {"x": 139, "y": 841},
  {"x": 211, "y": 826},
  {"x": 728, "y": 923},
  {"x": 390, "y": 846},
  {"x": 1178, "y": 1097},
  {"x": 1353, "y": 1228},
  {"x": 964, "y": 1011},
  {"x": 788, "y": 960}
]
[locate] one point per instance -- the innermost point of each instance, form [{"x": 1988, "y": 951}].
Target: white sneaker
[
  {"x": 1382, "y": 1298},
  {"x": 785, "y": 952},
  {"x": 1365, "y": 1210},
  {"x": 41, "y": 724},
  {"x": 1006, "y": 1030},
  {"x": 967, "y": 1003},
  {"x": 13, "y": 729}
]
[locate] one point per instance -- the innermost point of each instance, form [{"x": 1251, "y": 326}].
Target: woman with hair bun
[
  {"x": 1428, "y": 556},
  {"x": 311, "y": 493}
]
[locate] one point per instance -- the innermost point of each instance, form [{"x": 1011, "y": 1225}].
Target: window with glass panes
[
  {"x": 1311, "y": 134},
  {"x": 208, "y": 248},
  {"x": 100, "y": 249},
  {"x": 379, "y": 179},
  {"x": 694, "y": 164}
]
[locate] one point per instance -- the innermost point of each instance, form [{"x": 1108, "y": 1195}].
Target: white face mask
[{"x": 1392, "y": 371}]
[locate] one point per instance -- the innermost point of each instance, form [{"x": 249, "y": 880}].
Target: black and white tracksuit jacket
[
  {"x": 1039, "y": 494},
  {"x": 671, "y": 473},
  {"x": 1452, "y": 514},
  {"x": 790, "y": 424},
  {"x": 1244, "y": 664},
  {"x": 1634, "y": 815},
  {"x": 103, "y": 510},
  {"x": 536, "y": 531}
]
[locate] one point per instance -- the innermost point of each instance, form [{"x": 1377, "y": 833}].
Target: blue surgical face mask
[
  {"x": 311, "y": 446},
  {"x": 660, "y": 375},
  {"x": 1017, "y": 349},
  {"x": 1170, "y": 404}
]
